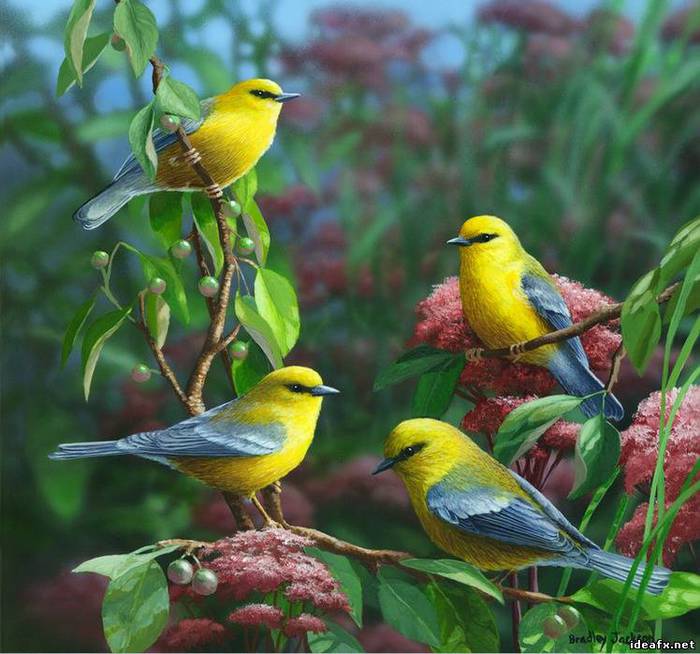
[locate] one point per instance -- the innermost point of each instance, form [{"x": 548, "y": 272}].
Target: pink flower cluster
[
  {"x": 190, "y": 634},
  {"x": 639, "y": 456}
]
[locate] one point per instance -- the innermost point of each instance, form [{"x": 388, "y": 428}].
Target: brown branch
[
  {"x": 606, "y": 314},
  {"x": 615, "y": 367}
]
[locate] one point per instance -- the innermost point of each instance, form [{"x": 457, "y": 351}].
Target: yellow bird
[
  {"x": 478, "y": 510},
  {"x": 509, "y": 298},
  {"x": 235, "y": 129},
  {"x": 238, "y": 447}
]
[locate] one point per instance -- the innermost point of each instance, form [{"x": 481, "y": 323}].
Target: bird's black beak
[
  {"x": 385, "y": 465},
  {"x": 286, "y": 97},
  {"x": 320, "y": 390},
  {"x": 458, "y": 240}
]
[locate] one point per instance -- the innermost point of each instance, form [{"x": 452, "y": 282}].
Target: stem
[{"x": 516, "y": 614}]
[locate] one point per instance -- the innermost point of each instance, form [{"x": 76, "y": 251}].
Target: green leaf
[
  {"x": 208, "y": 229},
  {"x": 245, "y": 189},
  {"x": 136, "y": 24},
  {"x": 76, "y": 31},
  {"x": 680, "y": 252},
  {"x": 681, "y": 596},
  {"x": 467, "y": 623},
  {"x": 435, "y": 389},
  {"x": 276, "y": 302},
  {"x": 597, "y": 453},
  {"x": 177, "y": 98},
  {"x": 336, "y": 639},
  {"x": 527, "y": 422},
  {"x": 251, "y": 370},
  {"x": 157, "y": 318},
  {"x": 115, "y": 565},
  {"x": 344, "y": 572},
  {"x": 135, "y": 608},
  {"x": 259, "y": 330},
  {"x": 165, "y": 215},
  {"x": 641, "y": 322},
  {"x": 407, "y": 609},
  {"x": 74, "y": 327},
  {"x": 533, "y": 639},
  {"x": 258, "y": 231},
  {"x": 412, "y": 363},
  {"x": 92, "y": 49},
  {"x": 141, "y": 139},
  {"x": 96, "y": 336},
  {"x": 458, "y": 571}
]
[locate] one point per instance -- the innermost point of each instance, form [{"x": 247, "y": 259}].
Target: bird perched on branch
[
  {"x": 238, "y": 447},
  {"x": 235, "y": 129},
  {"x": 508, "y": 298},
  {"x": 478, "y": 510}
]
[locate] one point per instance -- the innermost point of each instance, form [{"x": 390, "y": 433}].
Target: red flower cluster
[
  {"x": 190, "y": 634},
  {"x": 254, "y": 615},
  {"x": 639, "y": 455},
  {"x": 531, "y": 16}
]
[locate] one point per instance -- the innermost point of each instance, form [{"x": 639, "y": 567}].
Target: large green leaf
[
  {"x": 95, "y": 338},
  {"x": 597, "y": 453},
  {"x": 527, "y": 422},
  {"x": 208, "y": 229},
  {"x": 258, "y": 231},
  {"x": 136, "y": 24},
  {"x": 74, "y": 327},
  {"x": 467, "y": 623},
  {"x": 345, "y": 573},
  {"x": 165, "y": 215},
  {"x": 114, "y": 565},
  {"x": 92, "y": 49},
  {"x": 533, "y": 639},
  {"x": 135, "y": 608},
  {"x": 435, "y": 389},
  {"x": 157, "y": 318},
  {"x": 245, "y": 189},
  {"x": 177, "y": 98},
  {"x": 458, "y": 571},
  {"x": 415, "y": 362},
  {"x": 76, "y": 32},
  {"x": 259, "y": 330},
  {"x": 251, "y": 370},
  {"x": 277, "y": 304},
  {"x": 141, "y": 139},
  {"x": 680, "y": 252},
  {"x": 335, "y": 640},
  {"x": 408, "y": 609},
  {"x": 641, "y": 321}
]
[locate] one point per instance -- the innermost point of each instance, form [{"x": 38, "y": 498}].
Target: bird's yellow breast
[
  {"x": 231, "y": 140},
  {"x": 496, "y": 307}
]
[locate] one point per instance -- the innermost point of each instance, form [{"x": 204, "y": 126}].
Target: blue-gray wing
[
  {"x": 487, "y": 512},
  {"x": 545, "y": 299},
  {"x": 163, "y": 139},
  {"x": 203, "y": 435}
]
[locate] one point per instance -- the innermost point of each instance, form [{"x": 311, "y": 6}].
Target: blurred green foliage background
[{"x": 582, "y": 132}]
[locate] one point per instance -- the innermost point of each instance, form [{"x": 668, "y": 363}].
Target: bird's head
[
  {"x": 290, "y": 388},
  {"x": 423, "y": 450},
  {"x": 487, "y": 236},
  {"x": 262, "y": 96}
]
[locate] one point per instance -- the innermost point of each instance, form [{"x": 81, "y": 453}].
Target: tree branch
[{"x": 606, "y": 314}]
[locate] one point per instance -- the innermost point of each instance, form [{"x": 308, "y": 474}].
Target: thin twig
[{"x": 615, "y": 367}]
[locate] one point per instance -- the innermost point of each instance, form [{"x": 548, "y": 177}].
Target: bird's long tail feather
[
  {"x": 617, "y": 567},
  {"x": 85, "y": 450},
  {"x": 105, "y": 204},
  {"x": 576, "y": 379}
]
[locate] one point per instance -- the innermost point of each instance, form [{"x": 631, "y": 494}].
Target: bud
[
  {"x": 208, "y": 286},
  {"x": 245, "y": 246},
  {"x": 118, "y": 43},
  {"x": 180, "y": 572},
  {"x": 157, "y": 286},
  {"x": 181, "y": 249},
  {"x": 232, "y": 209},
  {"x": 169, "y": 123},
  {"x": 140, "y": 373},
  {"x": 239, "y": 350},
  {"x": 204, "y": 582},
  {"x": 99, "y": 259},
  {"x": 570, "y": 615},
  {"x": 554, "y": 627}
]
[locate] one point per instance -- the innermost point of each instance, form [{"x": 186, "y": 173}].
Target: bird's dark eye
[
  {"x": 297, "y": 388},
  {"x": 411, "y": 450},
  {"x": 259, "y": 93},
  {"x": 484, "y": 238}
]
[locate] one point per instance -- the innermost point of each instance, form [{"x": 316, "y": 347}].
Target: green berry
[
  {"x": 118, "y": 43},
  {"x": 99, "y": 259},
  {"x": 232, "y": 208},
  {"x": 554, "y": 627},
  {"x": 180, "y": 572},
  {"x": 204, "y": 582},
  {"x": 569, "y": 615},
  {"x": 181, "y": 249},
  {"x": 239, "y": 350},
  {"x": 157, "y": 286},
  {"x": 140, "y": 373},
  {"x": 245, "y": 245},
  {"x": 169, "y": 123},
  {"x": 208, "y": 286}
]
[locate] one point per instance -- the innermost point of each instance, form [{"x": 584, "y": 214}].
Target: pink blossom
[
  {"x": 297, "y": 627},
  {"x": 191, "y": 634},
  {"x": 254, "y": 615},
  {"x": 530, "y": 16}
]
